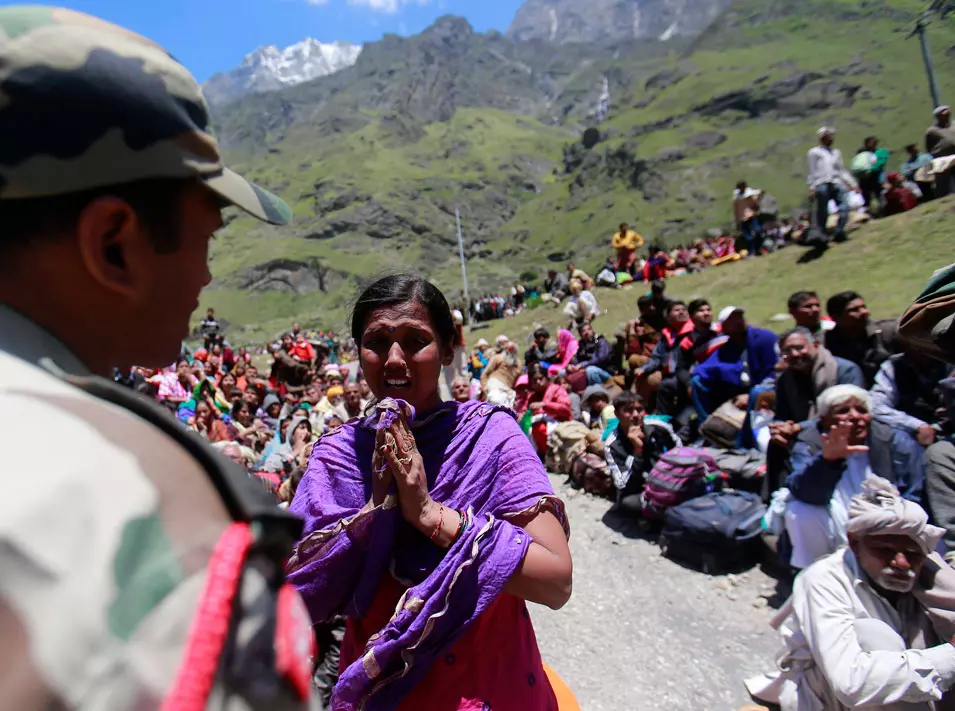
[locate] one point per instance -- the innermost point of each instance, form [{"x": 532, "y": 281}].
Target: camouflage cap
[{"x": 87, "y": 104}]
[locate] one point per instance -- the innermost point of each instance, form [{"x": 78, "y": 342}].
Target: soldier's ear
[{"x": 103, "y": 234}]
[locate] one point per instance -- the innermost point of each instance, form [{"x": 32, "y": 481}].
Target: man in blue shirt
[
  {"x": 911, "y": 170},
  {"x": 746, "y": 359}
]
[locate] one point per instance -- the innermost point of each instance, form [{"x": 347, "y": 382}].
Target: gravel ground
[{"x": 642, "y": 632}]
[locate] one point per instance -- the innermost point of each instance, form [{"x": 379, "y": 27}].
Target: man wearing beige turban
[{"x": 869, "y": 626}]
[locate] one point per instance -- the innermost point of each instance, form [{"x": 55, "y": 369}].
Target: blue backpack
[{"x": 716, "y": 532}]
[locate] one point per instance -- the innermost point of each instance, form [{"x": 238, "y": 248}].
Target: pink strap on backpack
[{"x": 210, "y": 625}]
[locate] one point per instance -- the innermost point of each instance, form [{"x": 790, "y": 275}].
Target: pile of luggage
[{"x": 703, "y": 501}]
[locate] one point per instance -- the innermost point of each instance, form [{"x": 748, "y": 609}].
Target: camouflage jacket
[{"x": 107, "y": 526}]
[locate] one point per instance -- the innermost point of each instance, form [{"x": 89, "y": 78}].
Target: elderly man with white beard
[
  {"x": 501, "y": 374},
  {"x": 869, "y": 626}
]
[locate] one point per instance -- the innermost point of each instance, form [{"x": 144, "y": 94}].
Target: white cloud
[{"x": 385, "y": 6}]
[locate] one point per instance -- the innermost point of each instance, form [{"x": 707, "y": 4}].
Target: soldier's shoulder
[
  {"x": 34, "y": 401},
  {"x": 67, "y": 438}
]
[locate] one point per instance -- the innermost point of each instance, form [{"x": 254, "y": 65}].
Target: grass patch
[{"x": 888, "y": 262}]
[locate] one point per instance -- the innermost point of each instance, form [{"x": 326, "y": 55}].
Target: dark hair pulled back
[
  {"x": 402, "y": 289},
  {"x": 536, "y": 369}
]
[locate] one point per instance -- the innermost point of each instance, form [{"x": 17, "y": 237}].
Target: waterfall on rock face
[{"x": 603, "y": 105}]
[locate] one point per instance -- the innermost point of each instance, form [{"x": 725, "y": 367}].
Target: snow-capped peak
[
  {"x": 302, "y": 61},
  {"x": 269, "y": 68}
]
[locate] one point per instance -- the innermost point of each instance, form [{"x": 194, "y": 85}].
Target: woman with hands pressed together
[
  {"x": 830, "y": 460},
  {"x": 429, "y": 525}
]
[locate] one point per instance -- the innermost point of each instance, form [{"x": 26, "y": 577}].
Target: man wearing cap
[
  {"x": 871, "y": 624},
  {"x": 596, "y": 402},
  {"x": 111, "y": 188},
  {"x": 479, "y": 358},
  {"x": 940, "y": 143},
  {"x": 746, "y": 356},
  {"x": 828, "y": 180}
]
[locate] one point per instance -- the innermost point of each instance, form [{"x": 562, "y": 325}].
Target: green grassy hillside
[
  {"x": 888, "y": 262},
  {"x": 375, "y": 161}
]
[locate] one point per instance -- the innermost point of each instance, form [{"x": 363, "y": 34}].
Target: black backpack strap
[{"x": 244, "y": 501}]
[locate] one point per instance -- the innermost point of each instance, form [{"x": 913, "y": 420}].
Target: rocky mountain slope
[
  {"x": 612, "y": 21},
  {"x": 270, "y": 68},
  {"x": 376, "y": 158},
  {"x": 412, "y": 82}
]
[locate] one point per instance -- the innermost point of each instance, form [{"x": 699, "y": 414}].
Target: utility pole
[
  {"x": 464, "y": 268},
  {"x": 919, "y": 30}
]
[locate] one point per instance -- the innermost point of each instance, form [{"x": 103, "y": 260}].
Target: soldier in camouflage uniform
[{"x": 137, "y": 570}]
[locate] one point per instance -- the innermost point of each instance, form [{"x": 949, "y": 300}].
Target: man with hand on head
[
  {"x": 632, "y": 448},
  {"x": 625, "y": 243}
]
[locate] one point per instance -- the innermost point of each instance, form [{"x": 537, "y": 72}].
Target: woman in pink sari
[{"x": 566, "y": 350}]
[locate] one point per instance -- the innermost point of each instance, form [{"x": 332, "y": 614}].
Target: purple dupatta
[{"x": 476, "y": 457}]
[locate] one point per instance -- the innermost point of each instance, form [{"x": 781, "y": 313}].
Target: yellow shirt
[{"x": 629, "y": 241}]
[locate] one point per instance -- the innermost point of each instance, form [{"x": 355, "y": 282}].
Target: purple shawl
[{"x": 476, "y": 457}]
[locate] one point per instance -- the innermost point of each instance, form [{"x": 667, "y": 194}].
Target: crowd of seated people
[
  {"x": 683, "y": 364},
  {"x": 856, "y": 428},
  {"x": 265, "y": 422},
  {"x": 687, "y": 364}
]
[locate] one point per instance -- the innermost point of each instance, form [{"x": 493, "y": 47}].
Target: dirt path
[{"x": 644, "y": 633}]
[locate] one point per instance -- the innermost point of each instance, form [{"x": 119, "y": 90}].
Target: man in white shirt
[
  {"x": 869, "y": 625},
  {"x": 828, "y": 180}
]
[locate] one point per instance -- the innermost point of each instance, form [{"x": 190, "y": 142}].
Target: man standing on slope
[
  {"x": 130, "y": 553},
  {"x": 828, "y": 180},
  {"x": 625, "y": 243},
  {"x": 940, "y": 143}
]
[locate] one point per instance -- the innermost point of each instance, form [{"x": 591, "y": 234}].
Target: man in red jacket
[{"x": 672, "y": 395}]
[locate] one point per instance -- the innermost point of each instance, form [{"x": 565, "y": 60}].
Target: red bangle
[{"x": 438, "y": 525}]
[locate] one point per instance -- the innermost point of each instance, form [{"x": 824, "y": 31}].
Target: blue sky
[{"x": 213, "y": 35}]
